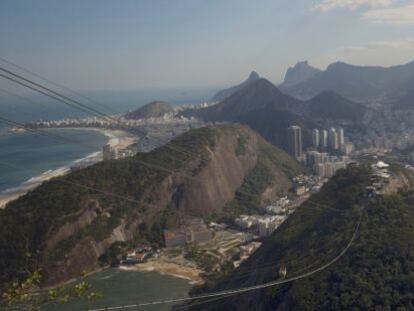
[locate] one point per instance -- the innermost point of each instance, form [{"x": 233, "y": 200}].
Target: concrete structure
[
  {"x": 246, "y": 222},
  {"x": 347, "y": 148},
  {"x": 333, "y": 139},
  {"x": 329, "y": 169},
  {"x": 295, "y": 141},
  {"x": 175, "y": 237},
  {"x": 320, "y": 169},
  {"x": 324, "y": 139},
  {"x": 315, "y": 138},
  {"x": 200, "y": 234},
  {"x": 300, "y": 190},
  {"x": 109, "y": 152},
  {"x": 341, "y": 136},
  {"x": 195, "y": 232}
]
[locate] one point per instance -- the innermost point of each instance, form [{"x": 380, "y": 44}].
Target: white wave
[
  {"x": 33, "y": 182},
  {"x": 92, "y": 158}
]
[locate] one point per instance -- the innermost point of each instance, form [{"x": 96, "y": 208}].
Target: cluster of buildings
[
  {"x": 332, "y": 140},
  {"x": 195, "y": 232},
  {"x": 105, "y": 122},
  {"x": 139, "y": 255},
  {"x": 306, "y": 183},
  {"x": 246, "y": 251},
  {"x": 279, "y": 207},
  {"x": 259, "y": 224},
  {"x": 325, "y": 165},
  {"x": 110, "y": 152},
  {"x": 318, "y": 158},
  {"x": 380, "y": 179},
  {"x": 152, "y": 132},
  {"x": 92, "y": 122}
]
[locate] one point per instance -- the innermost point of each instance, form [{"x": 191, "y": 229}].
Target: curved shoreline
[
  {"x": 116, "y": 138},
  {"x": 168, "y": 268}
]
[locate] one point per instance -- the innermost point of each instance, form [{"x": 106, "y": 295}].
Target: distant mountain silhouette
[
  {"x": 331, "y": 105},
  {"x": 405, "y": 99},
  {"x": 301, "y": 72},
  {"x": 262, "y": 106},
  {"x": 221, "y": 95},
  {"x": 361, "y": 83},
  {"x": 256, "y": 95},
  {"x": 153, "y": 109}
]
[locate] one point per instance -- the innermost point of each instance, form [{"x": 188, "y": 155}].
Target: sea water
[
  {"x": 118, "y": 287},
  {"x": 25, "y": 156}
]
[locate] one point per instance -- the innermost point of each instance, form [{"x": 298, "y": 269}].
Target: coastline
[
  {"x": 168, "y": 268},
  {"x": 116, "y": 138}
]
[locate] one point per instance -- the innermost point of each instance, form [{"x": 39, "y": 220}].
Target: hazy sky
[{"x": 140, "y": 44}]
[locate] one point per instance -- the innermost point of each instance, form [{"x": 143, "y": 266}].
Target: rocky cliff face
[
  {"x": 301, "y": 72},
  {"x": 192, "y": 182}
]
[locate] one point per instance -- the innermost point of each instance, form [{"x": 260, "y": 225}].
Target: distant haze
[{"x": 151, "y": 44}]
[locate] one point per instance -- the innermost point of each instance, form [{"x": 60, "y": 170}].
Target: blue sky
[{"x": 150, "y": 44}]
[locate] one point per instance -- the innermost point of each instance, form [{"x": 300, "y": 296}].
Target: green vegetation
[
  {"x": 242, "y": 140},
  {"x": 310, "y": 238},
  {"x": 377, "y": 272},
  {"x": 204, "y": 260},
  {"x": 330, "y": 105},
  {"x": 78, "y": 210},
  {"x": 26, "y": 222},
  {"x": 248, "y": 196},
  {"x": 26, "y": 295}
]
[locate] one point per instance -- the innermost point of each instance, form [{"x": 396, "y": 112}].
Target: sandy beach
[
  {"x": 169, "y": 268},
  {"x": 116, "y": 138}
]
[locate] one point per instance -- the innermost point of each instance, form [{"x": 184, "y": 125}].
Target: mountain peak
[
  {"x": 301, "y": 72},
  {"x": 223, "y": 94},
  {"x": 263, "y": 84},
  {"x": 253, "y": 76},
  {"x": 154, "y": 109}
]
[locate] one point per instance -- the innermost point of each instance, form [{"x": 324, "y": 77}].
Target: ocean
[{"x": 35, "y": 155}]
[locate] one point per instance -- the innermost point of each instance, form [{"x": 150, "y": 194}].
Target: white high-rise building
[
  {"x": 329, "y": 169},
  {"x": 333, "y": 139},
  {"x": 295, "y": 141},
  {"x": 324, "y": 138},
  {"x": 109, "y": 152},
  {"x": 341, "y": 136},
  {"x": 320, "y": 169},
  {"x": 315, "y": 138},
  {"x": 347, "y": 148}
]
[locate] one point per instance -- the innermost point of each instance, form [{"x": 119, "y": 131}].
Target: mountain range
[
  {"x": 301, "y": 72},
  {"x": 263, "y": 107},
  {"x": 366, "y": 84}
]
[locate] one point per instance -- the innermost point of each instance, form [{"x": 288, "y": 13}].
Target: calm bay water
[{"x": 120, "y": 287}]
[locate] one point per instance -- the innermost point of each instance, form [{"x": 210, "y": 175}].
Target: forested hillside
[
  {"x": 68, "y": 223},
  {"x": 377, "y": 272}
]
